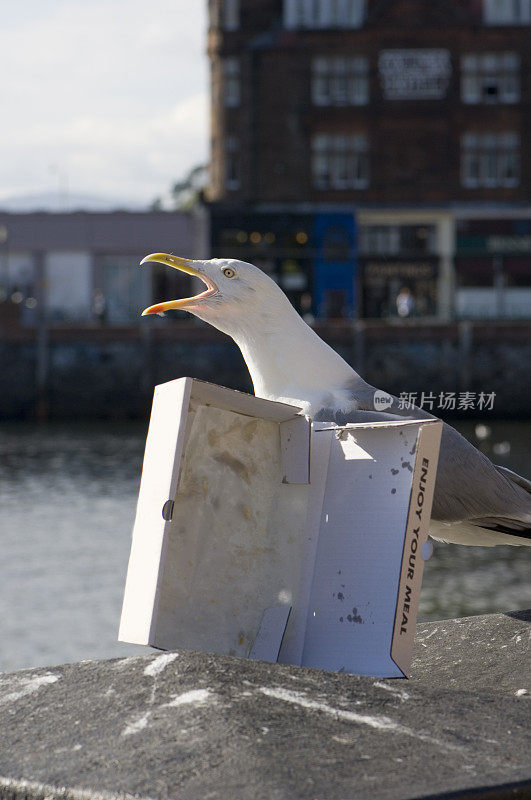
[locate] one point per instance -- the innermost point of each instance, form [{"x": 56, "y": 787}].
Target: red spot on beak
[{"x": 153, "y": 310}]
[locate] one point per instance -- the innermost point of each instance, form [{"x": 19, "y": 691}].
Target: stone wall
[{"x": 110, "y": 372}]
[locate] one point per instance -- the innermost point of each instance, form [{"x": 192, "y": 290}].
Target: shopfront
[
  {"x": 312, "y": 256},
  {"x": 399, "y": 288},
  {"x": 493, "y": 268},
  {"x": 400, "y": 265}
]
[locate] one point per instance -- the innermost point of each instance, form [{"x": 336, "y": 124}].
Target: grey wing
[{"x": 469, "y": 487}]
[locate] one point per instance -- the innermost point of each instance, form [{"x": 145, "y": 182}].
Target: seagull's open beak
[{"x": 184, "y": 265}]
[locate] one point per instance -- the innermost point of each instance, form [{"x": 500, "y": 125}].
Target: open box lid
[{"x": 257, "y": 535}]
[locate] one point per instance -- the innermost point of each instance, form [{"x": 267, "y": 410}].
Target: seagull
[{"x": 475, "y": 502}]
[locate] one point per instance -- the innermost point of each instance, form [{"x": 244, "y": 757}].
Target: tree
[{"x": 187, "y": 191}]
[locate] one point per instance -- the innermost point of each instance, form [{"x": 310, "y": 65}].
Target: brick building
[{"x": 404, "y": 115}]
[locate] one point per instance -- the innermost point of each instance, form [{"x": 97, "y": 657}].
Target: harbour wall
[{"x": 463, "y": 368}]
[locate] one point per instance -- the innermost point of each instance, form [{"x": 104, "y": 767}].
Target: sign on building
[{"x": 414, "y": 74}]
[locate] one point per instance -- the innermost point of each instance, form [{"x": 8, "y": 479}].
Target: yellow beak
[{"x": 183, "y": 265}]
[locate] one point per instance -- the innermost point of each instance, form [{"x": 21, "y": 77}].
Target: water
[{"x": 68, "y": 496}]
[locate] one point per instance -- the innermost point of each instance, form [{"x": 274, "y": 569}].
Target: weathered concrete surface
[
  {"x": 485, "y": 653},
  {"x": 192, "y": 725}
]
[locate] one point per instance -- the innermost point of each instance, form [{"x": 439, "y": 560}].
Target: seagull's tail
[
  {"x": 489, "y": 531},
  {"x": 475, "y": 533},
  {"x": 515, "y": 478},
  {"x": 508, "y": 526}
]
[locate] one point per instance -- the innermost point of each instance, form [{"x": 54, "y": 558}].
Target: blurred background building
[
  {"x": 371, "y": 153},
  {"x": 83, "y": 267}
]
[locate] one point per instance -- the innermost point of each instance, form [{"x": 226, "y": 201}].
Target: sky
[{"x": 104, "y": 97}]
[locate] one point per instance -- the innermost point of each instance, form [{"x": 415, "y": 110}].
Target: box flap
[
  {"x": 412, "y": 566},
  {"x": 295, "y": 450},
  {"x": 353, "y": 599},
  {"x": 158, "y": 485},
  {"x": 210, "y": 394}
]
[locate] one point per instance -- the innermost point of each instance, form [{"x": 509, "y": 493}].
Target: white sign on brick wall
[{"x": 414, "y": 74}]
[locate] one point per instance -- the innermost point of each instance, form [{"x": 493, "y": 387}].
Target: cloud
[{"x": 112, "y": 93}]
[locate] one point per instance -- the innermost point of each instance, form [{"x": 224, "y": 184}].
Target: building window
[
  {"x": 232, "y": 163},
  {"x": 490, "y": 78},
  {"x": 398, "y": 240},
  {"x": 324, "y": 13},
  {"x": 507, "y": 12},
  {"x": 340, "y": 81},
  {"x": 340, "y": 161},
  {"x": 231, "y": 15},
  {"x": 232, "y": 92},
  {"x": 490, "y": 160}
]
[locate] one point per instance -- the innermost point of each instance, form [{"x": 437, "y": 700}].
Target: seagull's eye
[{"x": 228, "y": 272}]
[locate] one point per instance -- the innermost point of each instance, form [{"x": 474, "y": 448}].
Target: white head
[
  {"x": 238, "y": 295},
  {"x": 286, "y": 358}
]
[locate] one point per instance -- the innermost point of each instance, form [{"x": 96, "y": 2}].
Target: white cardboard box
[{"x": 261, "y": 536}]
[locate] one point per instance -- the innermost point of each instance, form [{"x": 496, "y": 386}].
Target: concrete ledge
[{"x": 194, "y": 725}]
